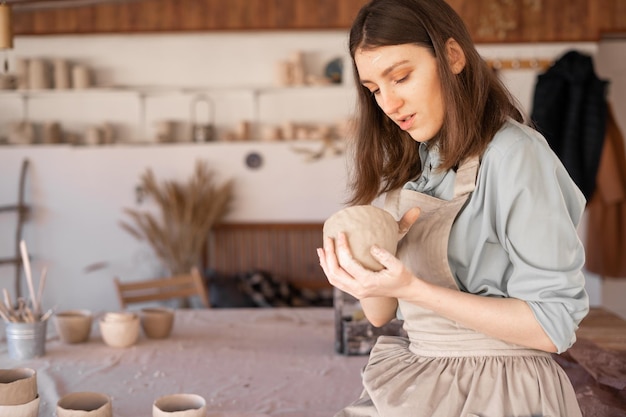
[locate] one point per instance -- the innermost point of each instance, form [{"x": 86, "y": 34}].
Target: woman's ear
[{"x": 456, "y": 56}]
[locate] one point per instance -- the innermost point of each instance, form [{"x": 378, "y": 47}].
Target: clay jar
[
  {"x": 364, "y": 226},
  {"x": 73, "y": 326},
  {"x": 119, "y": 329},
  {"x": 179, "y": 405},
  {"x": 157, "y": 322}
]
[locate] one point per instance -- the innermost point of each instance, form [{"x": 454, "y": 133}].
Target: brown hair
[{"x": 476, "y": 102}]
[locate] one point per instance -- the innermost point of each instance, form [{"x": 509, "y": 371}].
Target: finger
[
  {"x": 407, "y": 220},
  {"x": 386, "y": 258},
  {"x": 344, "y": 253},
  {"x": 330, "y": 257},
  {"x": 322, "y": 257},
  {"x": 335, "y": 273}
]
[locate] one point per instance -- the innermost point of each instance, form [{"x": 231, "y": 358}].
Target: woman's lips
[{"x": 406, "y": 122}]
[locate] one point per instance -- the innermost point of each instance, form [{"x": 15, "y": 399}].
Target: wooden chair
[{"x": 159, "y": 289}]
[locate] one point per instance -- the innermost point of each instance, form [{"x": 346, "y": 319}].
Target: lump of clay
[{"x": 364, "y": 226}]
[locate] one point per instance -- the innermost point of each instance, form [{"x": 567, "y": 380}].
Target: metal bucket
[{"x": 26, "y": 340}]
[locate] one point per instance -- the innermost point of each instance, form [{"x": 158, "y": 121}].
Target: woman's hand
[
  {"x": 347, "y": 274},
  {"x": 378, "y": 292}
]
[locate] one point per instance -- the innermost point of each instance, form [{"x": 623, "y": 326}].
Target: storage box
[{"x": 354, "y": 334}]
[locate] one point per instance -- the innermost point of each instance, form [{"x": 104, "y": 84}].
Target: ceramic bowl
[
  {"x": 179, "y": 405},
  {"x": 119, "y": 331},
  {"x": 18, "y": 386},
  {"x": 119, "y": 316},
  {"x": 29, "y": 409},
  {"x": 157, "y": 322},
  {"x": 73, "y": 326},
  {"x": 84, "y": 404}
]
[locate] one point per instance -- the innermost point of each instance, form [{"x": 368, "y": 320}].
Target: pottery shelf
[{"x": 133, "y": 107}]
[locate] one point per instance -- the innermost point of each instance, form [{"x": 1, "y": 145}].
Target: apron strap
[{"x": 466, "y": 174}]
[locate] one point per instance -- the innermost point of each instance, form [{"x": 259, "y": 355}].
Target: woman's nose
[{"x": 389, "y": 102}]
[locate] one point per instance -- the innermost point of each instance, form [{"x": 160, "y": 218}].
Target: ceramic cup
[
  {"x": 30, "y": 409},
  {"x": 73, "y": 326},
  {"x": 157, "y": 322},
  {"x": 18, "y": 386},
  {"x": 84, "y": 404},
  {"x": 119, "y": 329},
  {"x": 179, "y": 405}
]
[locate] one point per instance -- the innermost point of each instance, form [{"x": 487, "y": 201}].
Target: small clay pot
[
  {"x": 364, "y": 226},
  {"x": 30, "y": 409},
  {"x": 18, "y": 386},
  {"x": 157, "y": 322},
  {"x": 73, "y": 326},
  {"x": 84, "y": 404},
  {"x": 179, "y": 405},
  {"x": 119, "y": 329}
]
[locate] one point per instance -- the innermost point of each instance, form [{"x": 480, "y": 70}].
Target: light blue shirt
[{"x": 516, "y": 236}]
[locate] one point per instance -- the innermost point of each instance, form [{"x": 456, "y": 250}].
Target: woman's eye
[{"x": 400, "y": 80}]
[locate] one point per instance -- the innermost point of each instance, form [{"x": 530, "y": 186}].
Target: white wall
[{"x": 78, "y": 193}]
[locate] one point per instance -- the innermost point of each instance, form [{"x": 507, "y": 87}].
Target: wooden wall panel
[
  {"x": 287, "y": 250},
  {"x": 488, "y": 20}
]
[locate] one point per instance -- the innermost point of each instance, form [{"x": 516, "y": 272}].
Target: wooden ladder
[{"x": 22, "y": 211}]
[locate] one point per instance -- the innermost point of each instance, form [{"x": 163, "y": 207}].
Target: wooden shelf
[{"x": 487, "y": 20}]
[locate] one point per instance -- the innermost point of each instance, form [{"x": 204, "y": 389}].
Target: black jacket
[{"x": 570, "y": 110}]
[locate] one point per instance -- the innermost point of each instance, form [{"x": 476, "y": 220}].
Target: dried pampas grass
[{"x": 188, "y": 212}]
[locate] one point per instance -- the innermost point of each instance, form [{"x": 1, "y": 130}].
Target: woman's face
[{"x": 406, "y": 86}]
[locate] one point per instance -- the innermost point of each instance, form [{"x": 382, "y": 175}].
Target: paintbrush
[{"x": 29, "y": 276}]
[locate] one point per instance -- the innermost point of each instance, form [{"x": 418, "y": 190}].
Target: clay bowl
[
  {"x": 29, "y": 409},
  {"x": 179, "y": 405},
  {"x": 84, "y": 404},
  {"x": 18, "y": 386},
  {"x": 73, "y": 326},
  {"x": 119, "y": 329},
  {"x": 157, "y": 322},
  {"x": 364, "y": 226}
]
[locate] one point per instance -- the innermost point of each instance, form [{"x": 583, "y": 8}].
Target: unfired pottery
[
  {"x": 73, "y": 326},
  {"x": 38, "y": 74},
  {"x": 61, "y": 74},
  {"x": 157, "y": 322},
  {"x": 84, "y": 404},
  {"x": 81, "y": 77},
  {"x": 364, "y": 226},
  {"x": 17, "y": 386},
  {"x": 179, "y": 405},
  {"x": 120, "y": 329},
  {"x": 30, "y": 409}
]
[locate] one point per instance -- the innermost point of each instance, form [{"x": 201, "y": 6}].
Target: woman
[{"x": 487, "y": 276}]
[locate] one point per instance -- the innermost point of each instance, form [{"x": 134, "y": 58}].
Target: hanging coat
[
  {"x": 569, "y": 109},
  {"x": 606, "y": 234}
]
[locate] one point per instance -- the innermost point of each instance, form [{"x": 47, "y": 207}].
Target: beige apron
[{"x": 444, "y": 369}]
